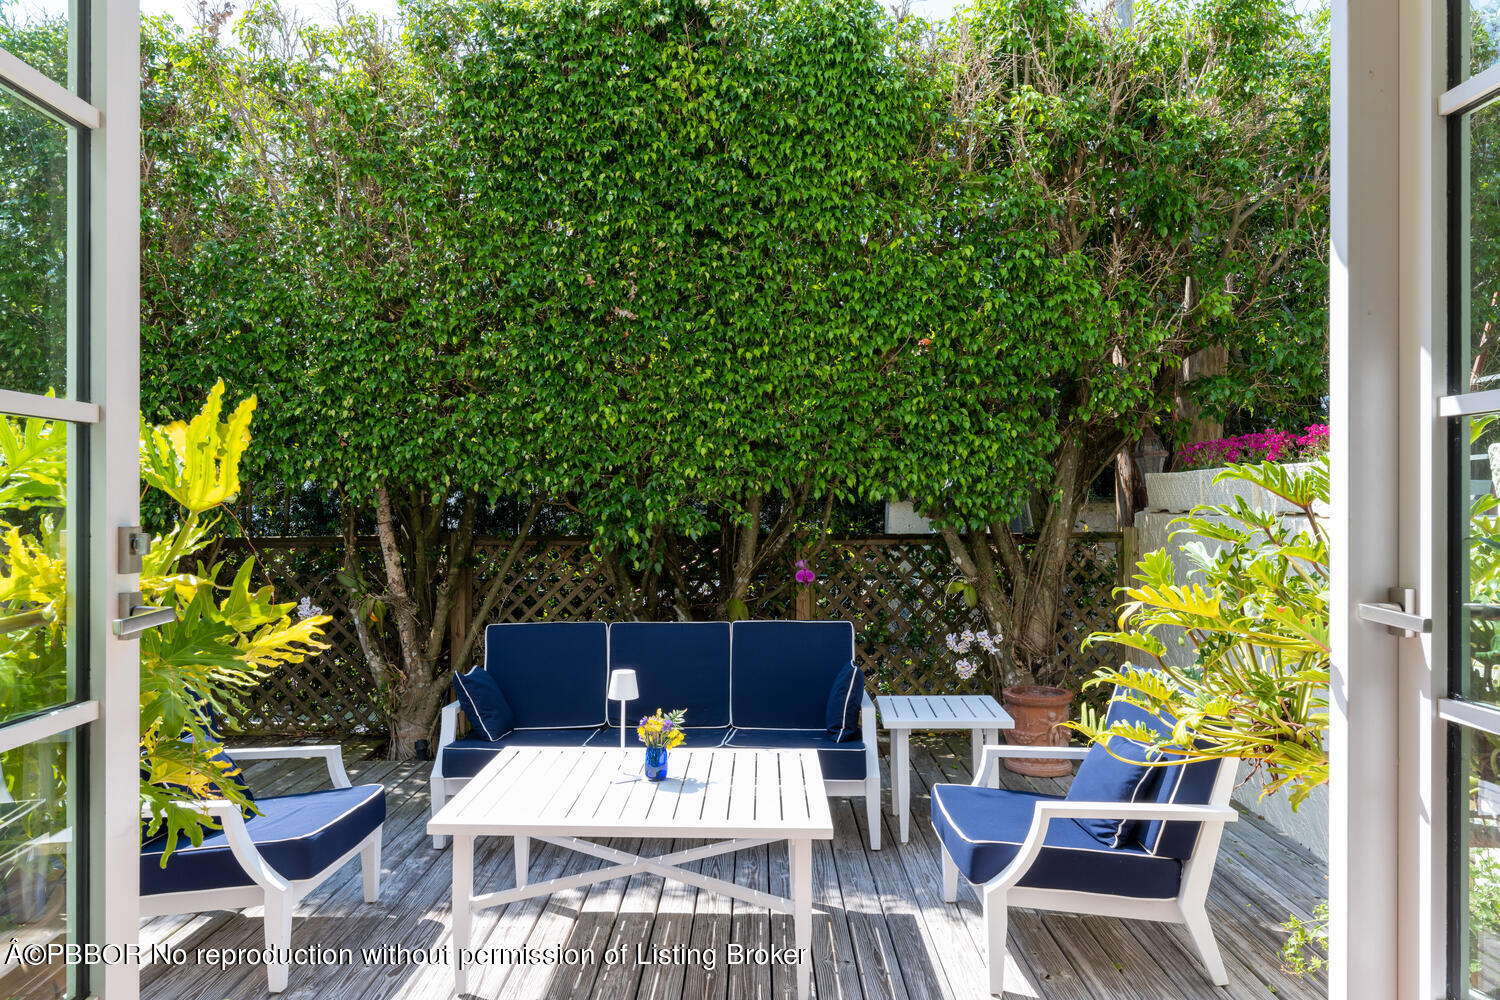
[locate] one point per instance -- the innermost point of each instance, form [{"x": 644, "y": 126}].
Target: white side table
[{"x": 900, "y": 714}]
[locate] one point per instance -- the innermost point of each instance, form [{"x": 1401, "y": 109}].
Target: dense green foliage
[
  {"x": 34, "y": 215},
  {"x": 225, "y": 638},
  {"x": 1254, "y": 611},
  {"x": 1125, "y": 199},
  {"x": 664, "y": 269}
]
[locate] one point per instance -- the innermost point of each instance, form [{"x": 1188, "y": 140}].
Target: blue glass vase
[{"x": 656, "y": 763}]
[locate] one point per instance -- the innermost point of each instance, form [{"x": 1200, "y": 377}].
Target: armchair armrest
[
  {"x": 240, "y": 845},
  {"x": 331, "y": 753},
  {"x": 447, "y": 733},
  {"x": 1046, "y": 812},
  {"x": 994, "y": 753}
]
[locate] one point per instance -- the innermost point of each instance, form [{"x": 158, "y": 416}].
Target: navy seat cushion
[
  {"x": 298, "y": 835},
  {"x": 838, "y": 761},
  {"x": 480, "y": 697},
  {"x": 1105, "y": 777},
  {"x": 783, "y": 671},
  {"x": 694, "y": 737},
  {"x": 554, "y": 674},
  {"x": 466, "y": 757},
  {"x": 677, "y": 665},
  {"x": 845, "y": 698},
  {"x": 983, "y": 829}
]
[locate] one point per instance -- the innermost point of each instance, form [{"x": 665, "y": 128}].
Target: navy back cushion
[
  {"x": 554, "y": 674},
  {"x": 480, "y": 697},
  {"x": 1186, "y": 784},
  {"x": 845, "y": 699},
  {"x": 1105, "y": 777},
  {"x": 677, "y": 665},
  {"x": 784, "y": 670}
]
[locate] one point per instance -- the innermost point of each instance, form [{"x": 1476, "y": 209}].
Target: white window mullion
[
  {"x": 39, "y": 727},
  {"x": 47, "y": 94},
  {"x": 1474, "y": 91},
  {"x": 26, "y": 404}
]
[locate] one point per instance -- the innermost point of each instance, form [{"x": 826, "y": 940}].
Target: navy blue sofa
[{"x": 746, "y": 684}]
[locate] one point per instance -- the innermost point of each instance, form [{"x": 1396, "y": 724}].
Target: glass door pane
[
  {"x": 37, "y": 665},
  {"x": 34, "y": 218},
  {"x": 37, "y": 851}
]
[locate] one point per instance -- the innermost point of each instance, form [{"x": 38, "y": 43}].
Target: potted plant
[{"x": 1040, "y": 710}]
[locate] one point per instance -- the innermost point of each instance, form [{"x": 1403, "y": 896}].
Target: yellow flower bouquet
[{"x": 662, "y": 730}]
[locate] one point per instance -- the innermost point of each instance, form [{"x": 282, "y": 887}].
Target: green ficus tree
[
  {"x": 696, "y": 208},
  {"x": 335, "y": 274},
  {"x": 1110, "y": 201}
]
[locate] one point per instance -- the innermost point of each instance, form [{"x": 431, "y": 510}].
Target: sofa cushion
[
  {"x": 983, "y": 829},
  {"x": 845, "y": 698},
  {"x": 838, "y": 761},
  {"x": 298, "y": 835},
  {"x": 467, "y": 757},
  {"x": 694, "y": 737},
  {"x": 480, "y": 697},
  {"x": 677, "y": 665},
  {"x": 783, "y": 671},
  {"x": 1123, "y": 772},
  {"x": 554, "y": 674}
]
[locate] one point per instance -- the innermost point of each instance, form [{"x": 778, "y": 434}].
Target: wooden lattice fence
[{"x": 891, "y": 587}]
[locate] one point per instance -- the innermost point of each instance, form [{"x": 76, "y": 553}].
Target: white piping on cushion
[
  {"x": 459, "y": 679},
  {"x": 1127, "y": 852},
  {"x": 301, "y": 836},
  {"x": 844, "y": 727}
]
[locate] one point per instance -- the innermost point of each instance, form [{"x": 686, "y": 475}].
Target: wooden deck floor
[{"x": 881, "y": 927}]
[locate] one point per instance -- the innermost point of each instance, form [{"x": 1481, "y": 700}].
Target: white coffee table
[
  {"x": 739, "y": 798},
  {"x": 900, "y": 714}
]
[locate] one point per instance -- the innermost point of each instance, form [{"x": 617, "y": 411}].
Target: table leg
[
  {"x": 801, "y": 874},
  {"x": 463, "y": 914},
  {"x": 901, "y": 779},
  {"x": 523, "y": 860},
  {"x": 976, "y": 749},
  {"x": 992, "y": 738}
]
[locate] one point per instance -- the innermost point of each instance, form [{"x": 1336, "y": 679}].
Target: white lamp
[{"x": 622, "y": 688}]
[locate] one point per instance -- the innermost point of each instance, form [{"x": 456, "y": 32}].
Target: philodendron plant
[
  {"x": 1254, "y": 611},
  {"x": 225, "y": 638}
]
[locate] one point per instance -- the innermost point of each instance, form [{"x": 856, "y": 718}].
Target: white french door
[{"x": 69, "y": 416}]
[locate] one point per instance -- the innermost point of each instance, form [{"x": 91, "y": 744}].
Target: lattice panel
[{"x": 891, "y": 588}]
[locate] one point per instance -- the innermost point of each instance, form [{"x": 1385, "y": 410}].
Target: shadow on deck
[{"x": 881, "y": 929}]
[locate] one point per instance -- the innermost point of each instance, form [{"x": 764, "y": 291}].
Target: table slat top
[
  {"x": 602, "y": 793},
  {"x": 942, "y": 711}
]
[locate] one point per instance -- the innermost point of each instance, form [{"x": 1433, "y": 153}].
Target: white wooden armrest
[
  {"x": 240, "y": 845},
  {"x": 332, "y": 754},
  {"x": 994, "y": 753},
  {"x": 447, "y": 733},
  {"x": 1046, "y": 812},
  {"x": 867, "y": 719}
]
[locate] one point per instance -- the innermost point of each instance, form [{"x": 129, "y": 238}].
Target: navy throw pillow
[
  {"x": 844, "y": 701},
  {"x": 480, "y": 697},
  {"x": 1105, "y": 777}
]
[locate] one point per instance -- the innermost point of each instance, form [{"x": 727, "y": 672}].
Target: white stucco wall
[{"x": 1173, "y": 494}]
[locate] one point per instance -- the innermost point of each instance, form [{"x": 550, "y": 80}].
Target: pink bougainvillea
[{"x": 1265, "y": 446}]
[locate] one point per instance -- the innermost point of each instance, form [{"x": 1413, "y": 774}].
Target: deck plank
[{"x": 881, "y": 929}]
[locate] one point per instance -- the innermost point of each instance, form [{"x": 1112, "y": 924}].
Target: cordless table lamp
[{"x": 622, "y": 688}]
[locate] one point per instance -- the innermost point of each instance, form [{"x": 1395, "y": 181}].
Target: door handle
[
  {"x": 1397, "y": 616},
  {"x": 136, "y": 617}
]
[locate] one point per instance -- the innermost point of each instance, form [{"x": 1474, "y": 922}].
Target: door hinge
[{"x": 1399, "y": 616}]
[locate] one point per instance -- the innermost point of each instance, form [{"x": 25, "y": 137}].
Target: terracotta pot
[{"x": 1037, "y": 710}]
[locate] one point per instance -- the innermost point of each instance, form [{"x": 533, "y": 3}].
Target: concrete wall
[{"x": 1172, "y": 494}]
